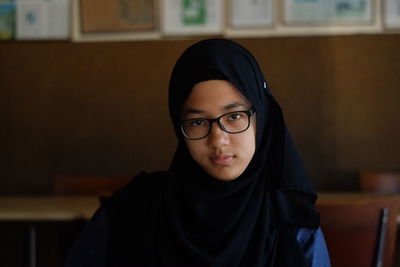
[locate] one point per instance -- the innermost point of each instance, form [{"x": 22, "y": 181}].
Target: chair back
[
  {"x": 379, "y": 182},
  {"x": 88, "y": 185},
  {"x": 360, "y": 230}
]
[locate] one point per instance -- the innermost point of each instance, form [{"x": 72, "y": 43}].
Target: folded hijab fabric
[{"x": 184, "y": 217}]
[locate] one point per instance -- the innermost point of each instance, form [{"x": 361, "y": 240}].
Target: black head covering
[
  {"x": 250, "y": 221},
  {"x": 239, "y": 217}
]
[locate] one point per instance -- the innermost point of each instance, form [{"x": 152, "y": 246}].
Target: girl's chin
[{"x": 224, "y": 176}]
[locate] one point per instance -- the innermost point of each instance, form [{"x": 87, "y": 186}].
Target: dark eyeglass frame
[{"x": 249, "y": 113}]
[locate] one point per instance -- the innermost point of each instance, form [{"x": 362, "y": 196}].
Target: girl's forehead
[{"x": 215, "y": 94}]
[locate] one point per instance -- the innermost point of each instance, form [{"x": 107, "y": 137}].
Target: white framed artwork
[
  {"x": 391, "y": 14},
  {"x": 42, "y": 19},
  {"x": 327, "y": 12},
  {"x": 251, "y": 13}
]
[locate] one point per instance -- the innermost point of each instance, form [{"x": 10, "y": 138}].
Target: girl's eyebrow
[
  {"x": 234, "y": 105},
  {"x": 193, "y": 111}
]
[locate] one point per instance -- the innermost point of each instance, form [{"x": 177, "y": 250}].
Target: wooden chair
[
  {"x": 359, "y": 230},
  {"x": 89, "y": 185},
  {"x": 379, "y": 182}
]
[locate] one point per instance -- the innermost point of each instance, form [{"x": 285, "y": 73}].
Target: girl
[{"x": 236, "y": 193}]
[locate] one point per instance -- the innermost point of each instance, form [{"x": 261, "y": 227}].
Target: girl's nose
[{"x": 218, "y": 137}]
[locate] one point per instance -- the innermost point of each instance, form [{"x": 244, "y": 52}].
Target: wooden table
[
  {"x": 47, "y": 208},
  {"x": 34, "y": 209}
]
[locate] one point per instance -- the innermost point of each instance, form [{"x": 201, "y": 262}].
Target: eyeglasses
[{"x": 232, "y": 122}]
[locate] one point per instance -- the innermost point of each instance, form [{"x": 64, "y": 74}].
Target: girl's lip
[{"x": 221, "y": 159}]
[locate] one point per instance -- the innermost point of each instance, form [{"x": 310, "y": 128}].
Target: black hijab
[{"x": 184, "y": 217}]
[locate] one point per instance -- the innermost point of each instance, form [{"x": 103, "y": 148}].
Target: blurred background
[{"x": 100, "y": 109}]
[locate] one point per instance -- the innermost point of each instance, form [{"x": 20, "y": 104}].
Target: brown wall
[{"x": 101, "y": 108}]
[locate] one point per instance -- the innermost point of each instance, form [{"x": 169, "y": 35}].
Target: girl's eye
[
  {"x": 197, "y": 123},
  {"x": 234, "y": 116}
]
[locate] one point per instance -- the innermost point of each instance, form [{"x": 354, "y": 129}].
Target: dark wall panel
[{"x": 101, "y": 108}]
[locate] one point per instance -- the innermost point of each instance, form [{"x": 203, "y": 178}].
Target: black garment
[
  {"x": 184, "y": 217},
  {"x": 90, "y": 248}
]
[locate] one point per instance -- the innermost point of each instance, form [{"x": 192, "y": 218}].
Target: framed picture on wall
[
  {"x": 7, "y": 20},
  {"x": 251, "y": 18},
  {"x": 104, "y": 20},
  {"x": 192, "y": 17},
  {"x": 391, "y": 14},
  {"x": 250, "y": 14},
  {"x": 327, "y": 12},
  {"x": 42, "y": 19}
]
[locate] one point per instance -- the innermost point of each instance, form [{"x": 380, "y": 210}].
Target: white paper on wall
[
  {"x": 391, "y": 13},
  {"x": 42, "y": 19},
  {"x": 251, "y": 13},
  {"x": 328, "y": 11}
]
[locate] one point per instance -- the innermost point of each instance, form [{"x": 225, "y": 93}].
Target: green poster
[{"x": 194, "y": 12}]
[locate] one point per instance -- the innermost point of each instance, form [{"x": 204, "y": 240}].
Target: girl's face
[{"x": 222, "y": 155}]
